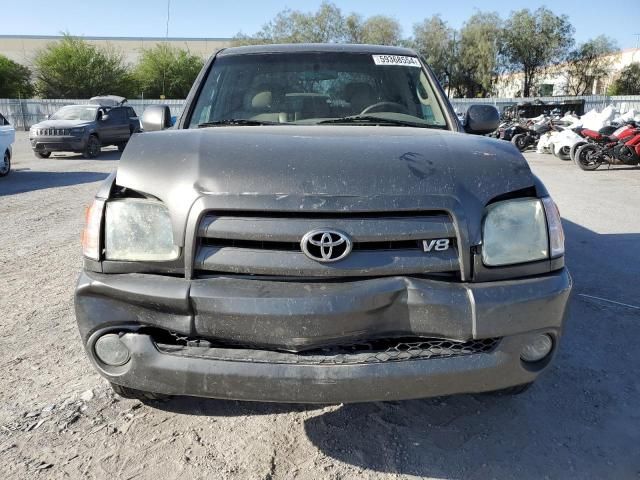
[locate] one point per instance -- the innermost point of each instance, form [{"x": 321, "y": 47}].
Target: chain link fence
[
  {"x": 22, "y": 113},
  {"x": 622, "y": 103}
]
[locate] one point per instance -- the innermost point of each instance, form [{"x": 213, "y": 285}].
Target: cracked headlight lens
[
  {"x": 515, "y": 231},
  {"x": 138, "y": 230}
]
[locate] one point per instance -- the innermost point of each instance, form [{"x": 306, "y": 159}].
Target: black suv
[{"x": 85, "y": 128}]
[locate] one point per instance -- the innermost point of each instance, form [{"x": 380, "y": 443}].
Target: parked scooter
[{"x": 621, "y": 147}]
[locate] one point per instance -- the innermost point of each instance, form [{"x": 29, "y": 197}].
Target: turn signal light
[{"x": 91, "y": 232}]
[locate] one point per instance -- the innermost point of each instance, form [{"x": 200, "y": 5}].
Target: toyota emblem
[{"x": 326, "y": 245}]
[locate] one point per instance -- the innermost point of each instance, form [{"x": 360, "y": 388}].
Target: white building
[{"x": 554, "y": 82}]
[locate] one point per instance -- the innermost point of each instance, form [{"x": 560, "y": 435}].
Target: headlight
[
  {"x": 137, "y": 229},
  {"x": 77, "y": 131},
  {"x": 515, "y": 231}
]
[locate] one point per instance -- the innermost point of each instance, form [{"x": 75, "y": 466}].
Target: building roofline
[{"x": 150, "y": 39}]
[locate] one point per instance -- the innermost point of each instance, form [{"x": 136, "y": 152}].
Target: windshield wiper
[
  {"x": 236, "y": 121},
  {"x": 372, "y": 119}
]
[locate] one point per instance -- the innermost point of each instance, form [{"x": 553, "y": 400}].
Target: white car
[{"x": 7, "y": 137}]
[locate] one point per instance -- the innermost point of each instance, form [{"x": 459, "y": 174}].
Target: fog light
[
  {"x": 538, "y": 348},
  {"x": 111, "y": 351}
]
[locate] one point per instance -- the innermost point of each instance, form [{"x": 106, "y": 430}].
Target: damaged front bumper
[{"x": 252, "y": 339}]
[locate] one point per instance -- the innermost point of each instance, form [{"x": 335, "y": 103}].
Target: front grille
[
  {"x": 375, "y": 351},
  {"x": 268, "y": 243},
  {"x": 53, "y": 132}
]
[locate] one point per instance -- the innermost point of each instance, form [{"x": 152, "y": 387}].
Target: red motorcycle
[{"x": 622, "y": 147}]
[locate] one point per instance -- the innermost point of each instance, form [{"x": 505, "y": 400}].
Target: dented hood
[{"x": 329, "y": 167}]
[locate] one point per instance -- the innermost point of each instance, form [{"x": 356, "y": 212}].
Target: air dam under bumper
[{"x": 511, "y": 310}]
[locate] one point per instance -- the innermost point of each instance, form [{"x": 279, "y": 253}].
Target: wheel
[
  {"x": 520, "y": 141},
  {"x": 5, "y": 166},
  {"x": 574, "y": 147},
  {"x": 562, "y": 153},
  {"x": 517, "y": 390},
  {"x": 92, "y": 149},
  {"x": 121, "y": 146},
  {"x": 587, "y": 157},
  {"x": 43, "y": 154},
  {"x": 132, "y": 393}
]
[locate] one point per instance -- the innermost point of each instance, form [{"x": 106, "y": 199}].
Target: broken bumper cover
[{"x": 284, "y": 318}]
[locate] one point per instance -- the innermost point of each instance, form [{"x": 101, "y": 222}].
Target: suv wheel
[
  {"x": 92, "y": 150},
  {"x": 5, "y": 166},
  {"x": 43, "y": 154},
  {"x": 132, "y": 393}
]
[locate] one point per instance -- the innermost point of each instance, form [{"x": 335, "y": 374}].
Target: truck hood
[{"x": 323, "y": 168}]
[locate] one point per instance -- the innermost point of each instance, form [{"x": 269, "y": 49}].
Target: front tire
[
  {"x": 574, "y": 149},
  {"x": 563, "y": 153},
  {"x": 92, "y": 149},
  {"x": 5, "y": 166},
  {"x": 587, "y": 157},
  {"x": 520, "y": 141},
  {"x": 134, "y": 394},
  {"x": 42, "y": 154}
]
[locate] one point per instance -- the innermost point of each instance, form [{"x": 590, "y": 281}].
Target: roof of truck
[{"x": 317, "y": 47}]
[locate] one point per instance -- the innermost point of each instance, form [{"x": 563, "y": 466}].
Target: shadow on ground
[
  {"x": 21, "y": 181},
  {"x": 106, "y": 154},
  {"x": 578, "y": 421}
]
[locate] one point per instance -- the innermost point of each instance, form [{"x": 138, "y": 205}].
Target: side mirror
[
  {"x": 481, "y": 119},
  {"x": 104, "y": 117},
  {"x": 156, "y": 117}
]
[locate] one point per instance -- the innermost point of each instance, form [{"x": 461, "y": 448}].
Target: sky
[{"x": 220, "y": 19}]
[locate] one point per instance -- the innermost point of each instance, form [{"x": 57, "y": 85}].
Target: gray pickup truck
[
  {"x": 85, "y": 129},
  {"x": 320, "y": 227}
]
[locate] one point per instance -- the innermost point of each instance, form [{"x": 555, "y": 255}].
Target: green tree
[
  {"x": 628, "y": 82},
  {"x": 477, "y": 62},
  {"x": 73, "y": 68},
  {"x": 15, "y": 79},
  {"x": 591, "y": 61},
  {"x": 532, "y": 41},
  {"x": 293, "y": 26},
  {"x": 166, "y": 70},
  {"x": 377, "y": 30},
  {"x": 436, "y": 41}
]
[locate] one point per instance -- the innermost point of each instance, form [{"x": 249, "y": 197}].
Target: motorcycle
[
  {"x": 532, "y": 135},
  {"x": 587, "y": 135},
  {"x": 621, "y": 147}
]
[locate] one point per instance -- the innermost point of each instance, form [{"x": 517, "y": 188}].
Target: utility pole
[{"x": 166, "y": 42}]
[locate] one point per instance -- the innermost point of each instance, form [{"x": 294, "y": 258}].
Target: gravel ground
[{"x": 59, "y": 419}]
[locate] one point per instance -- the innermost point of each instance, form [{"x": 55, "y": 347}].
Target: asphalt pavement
[{"x": 59, "y": 419}]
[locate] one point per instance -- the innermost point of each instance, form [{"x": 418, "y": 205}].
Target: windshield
[
  {"x": 75, "y": 113},
  {"x": 317, "y": 88}
]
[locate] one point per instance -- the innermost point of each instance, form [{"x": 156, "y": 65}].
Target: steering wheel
[{"x": 384, "y": 107}]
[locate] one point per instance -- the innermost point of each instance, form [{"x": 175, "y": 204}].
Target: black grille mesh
[{"x": 377, "y": 351}]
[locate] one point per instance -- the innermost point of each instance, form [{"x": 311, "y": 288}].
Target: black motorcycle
[{"x": 531, "y": 136}]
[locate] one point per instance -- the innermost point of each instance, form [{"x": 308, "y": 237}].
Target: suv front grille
[
  {"x": 376, "y": 351},
  {"x": 53, "y": 132},
  {"x": 384, "y": 243}
]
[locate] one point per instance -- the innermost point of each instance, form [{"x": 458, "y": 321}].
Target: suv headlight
[
  {"x": 520, "y": 231},
  {"x": 77, "y": 131},
  {"x": 138, "y": 230}
]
